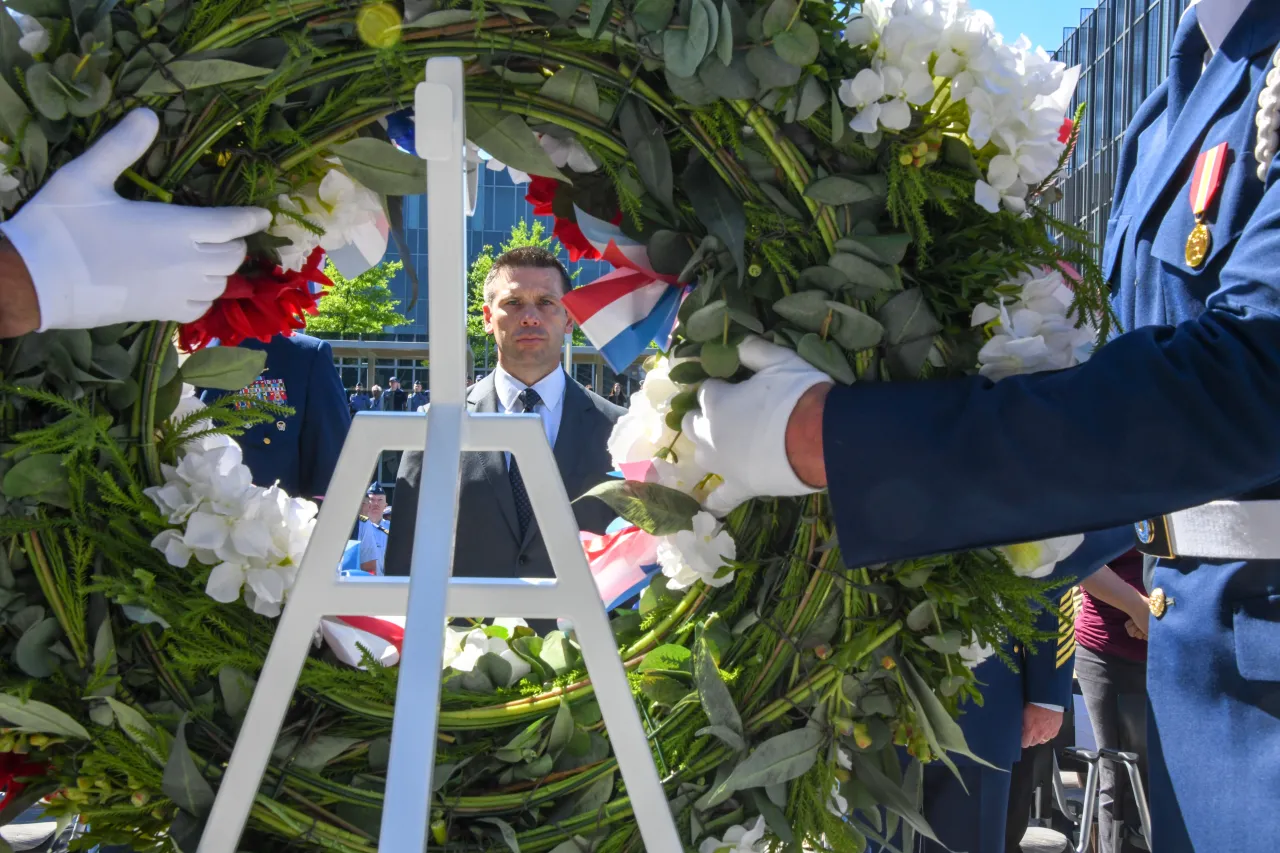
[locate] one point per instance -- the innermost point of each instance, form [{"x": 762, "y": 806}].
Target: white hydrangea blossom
[
  {"x": 1037, "y": 559},
  {"x": 347, "y": 213},
  {"x": 254, "y": 538},
  {"x": 1032, "y": 332},
  {"x": 700, "y": 554},
  {"x": 975, "y": 653},
  {"x": 939, "y": 52},
  {"x": 737, "y": 839}
]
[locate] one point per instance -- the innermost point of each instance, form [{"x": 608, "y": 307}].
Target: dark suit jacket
[
  {"x": 488, "y": 544},
  {"x": 300, "y": 450}
]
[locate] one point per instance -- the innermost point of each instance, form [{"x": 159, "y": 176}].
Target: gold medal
[
  {"x": 1204, "y": 186},
  {"x": 1198, "y": 245}
]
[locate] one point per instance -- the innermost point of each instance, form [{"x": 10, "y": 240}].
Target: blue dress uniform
[
  {"x": 1181, "y": 410},
  {"x": 298, "y": 450}
]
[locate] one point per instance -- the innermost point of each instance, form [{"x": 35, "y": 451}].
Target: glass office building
[{"x": 1122, "y": 48}]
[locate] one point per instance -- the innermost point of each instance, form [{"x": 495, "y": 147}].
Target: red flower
[
  {"x": 269, "y": 301},
  {"x": 12, "y": 766},
  {"x": 542, "y": 195},
  {"x": 1064, "y": 132}
]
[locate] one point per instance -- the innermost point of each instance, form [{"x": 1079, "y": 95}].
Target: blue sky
[{"x": 1041, "y": 20}]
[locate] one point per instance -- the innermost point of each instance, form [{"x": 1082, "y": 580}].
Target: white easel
[{"x": 432, "y": 593}]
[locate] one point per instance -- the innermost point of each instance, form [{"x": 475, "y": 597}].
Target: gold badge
[
  {"x": 1158, "y": 603},
  {"x": 1198, "y": 245}
]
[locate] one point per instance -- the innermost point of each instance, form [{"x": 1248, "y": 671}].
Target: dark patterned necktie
[{"x": 529, "y": 399}]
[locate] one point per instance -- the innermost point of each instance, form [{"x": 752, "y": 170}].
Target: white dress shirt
[{"x": 550, "y": 388}]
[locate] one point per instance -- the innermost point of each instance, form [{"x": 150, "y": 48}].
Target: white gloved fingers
[
  {"x": 190, "y": 311},
  {"x": 117, "y": 150},
  {"x": 203, "y": 288},
  {"x": 221, "y": 258},
  {"x": 220, "y": 224},
  {"x": 757, "y": 354}
]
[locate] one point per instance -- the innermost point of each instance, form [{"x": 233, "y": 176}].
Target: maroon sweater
[{"x": 1100, "y": 627}]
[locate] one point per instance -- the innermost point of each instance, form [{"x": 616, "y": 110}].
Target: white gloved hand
[
  {"x": 740, "y": 432},
  {"x": 96, "y": 258}
]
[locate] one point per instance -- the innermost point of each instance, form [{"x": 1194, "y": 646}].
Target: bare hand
[
  {"x": 1039, "y": 725},
  {"x": 1134, "y": 631}
]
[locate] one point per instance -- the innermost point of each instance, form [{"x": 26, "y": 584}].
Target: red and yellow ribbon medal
[{"x": 1204, "y": 186}]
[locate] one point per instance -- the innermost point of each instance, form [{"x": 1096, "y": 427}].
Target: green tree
[
  {"x": 364, "y": 304},
  {"x": 522, "y": 234}
]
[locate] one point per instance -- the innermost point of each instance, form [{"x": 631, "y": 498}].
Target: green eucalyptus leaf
[
  {"x": 808, "y": 309},
  {"x": 732, "y": 80},
  {"x": 508, "y": 832},
  {"x": 33, "y": 716},
  {"x": 908, "y": 317},
  {"x": 668, "y": 252},
  {"x": 827, "y": 357},
  {"x": 724, "y": 39},
  {"x": 133, "y": 724},
  {"x": 32, "y": 654},
  {"x": 507, "y": 137},
  {"x": 35, "y": 150},
  {"x": 708, "y": 322},
  {"x": 668, "y": 657},
  {"x": 778, "y": 16},
  {"x": 575, "y": 87},
  {"x": 382, "y": 167},
  {"x": 780, "y": 759},
  {"x": 97, "y": 96},
  {"x": 812, "y": 97},
  {"x": 718, "y": 209},
  {"x": 717, "y": 702},
  {"x": 719, "y": 359},
  {"x": 656, "y": 509},
  {"x": 46, "y": 94},
  {"x": 947, "y": 643},
  {"x": 774, "y": 817},
  {"x": 36, "y": 475},
  {"x": 653, "y": 15},
  {"x": 559, "y": 653},
  {"x": 854, "y": 329},
  {"x": 688, "y": 373},
  {"x": 879, "y": 248},
  {"x": 182, "y": 781},
  {"x": 190, "y": 74},
  {"x": 827, "y": 278},
  {"x": 14, "y": 114},
  {"x": 648, "y": 149},
  {"x": 223, "y": 368},
  {"x": 691, "y": 89},
  {"x": 599, "y": 14},
  {"x": 862, "y": 273},
  {"x": 104, "y": 647},
  {"x": 237, "y": 688},
  {"x": 663, "y": 689},
  {"x": 798, "y": 45},
  {"x": 837, "y": 118},
  {"x": 684, "y": 50},
  {"x": 921, "y": 616},
  {"x": 562, "y": 729},
  {"x": 837, "y": 190},
  {"x": 890, "y": 794},
  {"x": 770, "y": 69}
]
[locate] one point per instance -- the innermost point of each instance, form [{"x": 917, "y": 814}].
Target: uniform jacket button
[{"x": 523, "y": 559}]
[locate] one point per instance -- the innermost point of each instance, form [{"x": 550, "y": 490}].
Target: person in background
[
  {"x": 1111, "y": 665},
  {"x": 394, "y": 399},
  {"x": 299, "y": 450},
  {"x": 371, "y": 532},
  {"x": 359, "y": 401},
  {"x": 497, "y": 533},
  {"x": 418, "y": 398},
  {"x": 375, "y": 398},
  {"x": 617, "y": 396}
]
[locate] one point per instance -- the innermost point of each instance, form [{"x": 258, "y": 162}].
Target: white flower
[
  {"x": 689, "y": 556},
  {"x": 302, "y": 240},
  {"x": 1037, "y": 559},
  {"x": 1033, "y": 332},
  {"x": 476, "y": 643},
  {"x": 8, "y": 182},
  {"x": 354, "y": 212},
  {"x": 477, "y": 155},
  {"x": 737, "y": 839},
  {"x": 35, "y": 38},
  {"x": 175, "y": 550},
  {"x": 568, "y": 153},
  {"x": 836, "y": 804},
  {"x": 975, "y": 652}
]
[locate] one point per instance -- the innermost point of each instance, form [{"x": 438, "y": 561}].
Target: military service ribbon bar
[{"x": 1204, "y": 186}]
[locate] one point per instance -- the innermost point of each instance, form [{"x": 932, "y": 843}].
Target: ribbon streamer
[{"x": 624, "y": 311}]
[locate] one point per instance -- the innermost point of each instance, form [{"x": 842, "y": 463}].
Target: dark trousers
[
  {"x": 1115, "y": 692},
  {"x": 1035, "y": 765}
]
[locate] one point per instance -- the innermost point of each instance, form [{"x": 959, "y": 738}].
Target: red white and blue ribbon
[
  {"x": 622, "y": 563},
  {"x": 622, "y": 312}
]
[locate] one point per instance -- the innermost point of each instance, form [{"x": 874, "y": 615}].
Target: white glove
[
  {"x": 97, "y": 259},
  {"x": 740, "y": 432}
]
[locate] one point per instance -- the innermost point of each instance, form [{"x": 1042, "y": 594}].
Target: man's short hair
[{"x": 526, "y": 257}]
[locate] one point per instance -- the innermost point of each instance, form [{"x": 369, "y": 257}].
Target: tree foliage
[{"x": 364, "y": 304}]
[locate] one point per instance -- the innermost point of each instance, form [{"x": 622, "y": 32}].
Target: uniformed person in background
[
  {"x": 394, "y": 399},
  {"x": 371, "y": 531},
  {"x": 359, "y": 401},
  {"x": 418, "y": 398},
  {"x": 299, "y": 450},
  {"x": 1193, "y": 256}
]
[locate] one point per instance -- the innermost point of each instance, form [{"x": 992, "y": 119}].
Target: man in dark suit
[
  {"x": 394, "y": 399},
  {"x": 298, "y": 450},
  {"x": 497, "y": 534}
]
